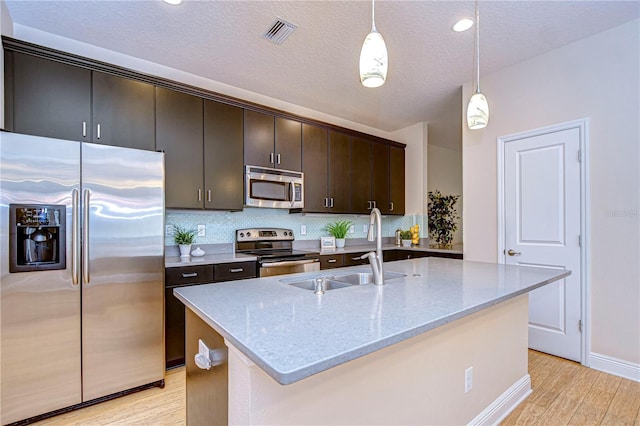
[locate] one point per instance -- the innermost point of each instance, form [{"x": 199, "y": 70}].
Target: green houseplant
[
  {"x": 406, "y": 238},
  {"x": 183, "y": 237},
  {"x": 339, "y": 230},
  {"x": 442, "y": 218}
]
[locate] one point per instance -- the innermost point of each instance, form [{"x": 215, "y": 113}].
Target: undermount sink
[
  {"x": 310, "y": 284},
  {"x": 360, "y": 278},
  {"x": 341, "y": 281}
]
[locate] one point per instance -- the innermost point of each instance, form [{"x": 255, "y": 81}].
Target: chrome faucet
[{"x": 375, "y": 258}]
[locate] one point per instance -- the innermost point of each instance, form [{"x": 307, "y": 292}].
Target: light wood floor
[{"x": 564, "y": 393}]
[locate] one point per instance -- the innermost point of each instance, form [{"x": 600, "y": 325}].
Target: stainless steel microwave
[{"x": 274, "y": 188}]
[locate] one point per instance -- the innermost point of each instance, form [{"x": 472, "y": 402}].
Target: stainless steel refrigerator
[{"x": 81, "y": 273}]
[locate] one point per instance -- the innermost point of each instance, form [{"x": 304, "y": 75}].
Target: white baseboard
[
  {"x": 505, "y": 403},
  {"x": 614, "y": 366}
]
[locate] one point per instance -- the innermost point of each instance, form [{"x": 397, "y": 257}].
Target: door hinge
[
  {"x": 580, "y": 325},
  {"x": 579, "y": 156}
]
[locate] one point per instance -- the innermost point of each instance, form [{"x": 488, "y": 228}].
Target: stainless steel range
[{"x": 274, "y": 249}]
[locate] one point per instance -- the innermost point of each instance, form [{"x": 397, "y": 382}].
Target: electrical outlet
[
  {"x": 202, "y": 231},
  {"x": 352, "y": 229},
  {"x": 168, "y": 230},
  {"x": 468, "y": 379},
  {"x": 365, "y": 228},
  {"x": 303, "y": 229}
]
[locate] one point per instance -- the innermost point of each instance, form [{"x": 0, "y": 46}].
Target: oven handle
[{"x": 288, "y": 263}]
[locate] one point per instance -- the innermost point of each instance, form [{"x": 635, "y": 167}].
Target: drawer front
[
  {"x": 188, "y": 275},
  {"x": 353, "y": 259},
  {"x": 331, "y": 261},
  {"x": 234, "y": 271}
]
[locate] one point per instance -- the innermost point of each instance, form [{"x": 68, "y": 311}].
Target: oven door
[{"x": 282, "y": 267}]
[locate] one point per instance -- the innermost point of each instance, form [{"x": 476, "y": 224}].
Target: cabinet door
[
  {"x": 288, "y": 146},
  {"x": 360, "y": 176},
  {"x": 396, "y": 180},
  {"x": 330, "y": 261},
  {"x": 223, "y": 170},
  {"x": 123, "y": 112},
  {"x": 314, "y": 165},
  {"x": 380, "y": 176},
  {"x": 179, "y": 132},
  {"x": 339, "y": 185},
  {"x": 50, "y": 98},
  {"x": 258, "y": 139}
]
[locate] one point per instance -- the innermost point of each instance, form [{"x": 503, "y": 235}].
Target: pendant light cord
[
  {"x": 477, "y": 49},
  {"x": 373, "y": 16}
]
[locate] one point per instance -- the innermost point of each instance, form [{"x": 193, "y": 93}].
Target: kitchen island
[{"x": 375, "y": 354}]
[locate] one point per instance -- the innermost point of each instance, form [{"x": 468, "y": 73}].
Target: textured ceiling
[{"x": 317, "y": 67}]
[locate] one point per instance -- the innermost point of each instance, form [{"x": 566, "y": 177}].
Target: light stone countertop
[
  {"x": 207, "y": 259},
  {"x": 292, "y": 333}
]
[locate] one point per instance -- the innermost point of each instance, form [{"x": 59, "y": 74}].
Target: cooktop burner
[{"x": 269, "y": 244}]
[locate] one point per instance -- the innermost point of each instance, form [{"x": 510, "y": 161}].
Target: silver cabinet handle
[
  {"x": 98, "y": 132},
  {"x": 271, "y": 158},
  {"x": 332, "y": 261},
  {"x": 84, "y": 129},
  {"x": 85, "y": 236},
  {"x": 75, "y": 236},
  {"x": 369, "y": 205},
  {"x": 189, "y": 275},
  {"x": 208, "y": 195},
  {"x": 331, "y": 202},
  {"x": 375, "y": 204},
  {"x": 326, "y": 203},
  {"x": 235, "y": 270},
  {"x": 391, "y": 206},
  {"x": 512, "y": 252},
  {"x": 199, "y": 194},
  {"x": 278, "y": 159}
]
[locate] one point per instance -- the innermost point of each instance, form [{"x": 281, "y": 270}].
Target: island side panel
[
  {"x": 417, "y": 381},
  {"x": 206, "y": 390}
]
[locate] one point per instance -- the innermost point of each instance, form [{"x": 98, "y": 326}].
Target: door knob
[{"x": 512, "y": 252}]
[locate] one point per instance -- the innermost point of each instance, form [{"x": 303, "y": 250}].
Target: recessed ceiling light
[
  {"x": 462, "y": 25},
  {"x": 174, "y": 2}
]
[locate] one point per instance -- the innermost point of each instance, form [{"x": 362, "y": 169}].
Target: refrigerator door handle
[
  {"x": 75, "y": 238},
  {"x": 85, "y": 236}
]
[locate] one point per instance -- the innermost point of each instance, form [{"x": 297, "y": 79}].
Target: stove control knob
[
  {"x": 248, "y": 234},
  {"x": 242, "y": 234}
]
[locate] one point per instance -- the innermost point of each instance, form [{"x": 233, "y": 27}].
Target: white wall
[
  {"x": 416, "y": 138},
  {"x": 598, "y": 78}
]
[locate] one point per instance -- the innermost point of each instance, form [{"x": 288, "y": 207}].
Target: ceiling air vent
[{"x": 279, "y": 31}]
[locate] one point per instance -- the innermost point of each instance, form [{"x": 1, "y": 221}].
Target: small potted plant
[
  {"x": 406, "y": 238},
  {"x": 339, "y": 230},
  {"x": 184, "y": 238}
]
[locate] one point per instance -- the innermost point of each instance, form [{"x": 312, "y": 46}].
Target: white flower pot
[
  {"x": 340, "y": 242},
  {"x": 406, "y": 243},
  {"x": 185, "y": 250}
]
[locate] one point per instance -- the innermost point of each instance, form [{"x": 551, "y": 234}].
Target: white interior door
[{"x": 542, "y": 229}]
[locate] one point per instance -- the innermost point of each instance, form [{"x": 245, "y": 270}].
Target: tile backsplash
[{"x": 220, "y": 226}]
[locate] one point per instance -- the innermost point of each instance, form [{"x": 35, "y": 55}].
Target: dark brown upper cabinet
[
  {"x": 123, "y": 112},
  {"x": 179, "y": 130},
  {"x": 396, "y": 180},
  {"x": 325, "y": 163},
  {"x": 223, "y": 164},
  {"x": 315, "y": 158},
  {"x": 271, "y": 141},
  {"x": 57, "y": 100},
  {"x": 380, "y": 177},
  {"x": 202, "y": 141},
  {"x": 50, "y": 98},
  {"x": 360, "y": 176}
]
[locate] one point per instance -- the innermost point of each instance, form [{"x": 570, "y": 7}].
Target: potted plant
[
  {"x": 406, "y": 238},
  {"x": 442, "y": 218},
  {"x": 183, "y": 238},
  {"x": 339, "y": 230}
]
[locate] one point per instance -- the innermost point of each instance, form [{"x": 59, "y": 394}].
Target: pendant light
[
  {"x": 478, "y": 108},
  {"x": 373, "y": 56}
]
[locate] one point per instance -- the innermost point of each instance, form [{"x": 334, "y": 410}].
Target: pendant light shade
[
  {"x": 478, "y": 108},
  {"x": 373, "y": 57}
]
